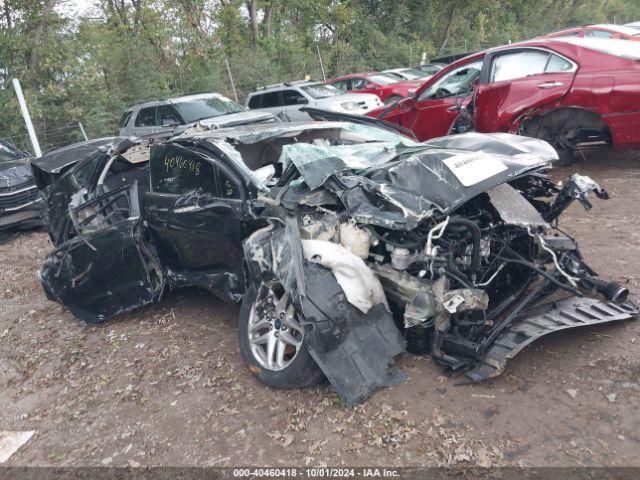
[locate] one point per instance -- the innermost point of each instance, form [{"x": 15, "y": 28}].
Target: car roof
[
  {"x": 627, "y": 30},
  {"x": 624, "y": 29},
  {"x": 281, "y": 86},
  {"x": 170, "y": 100}
]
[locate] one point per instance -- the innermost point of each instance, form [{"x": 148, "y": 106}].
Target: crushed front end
[{"x": 457, "y": 240}]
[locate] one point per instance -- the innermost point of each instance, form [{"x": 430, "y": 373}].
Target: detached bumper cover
[{"x": 562, "y": 315}]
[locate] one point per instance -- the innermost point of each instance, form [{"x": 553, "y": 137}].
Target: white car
[{"x": 286, "y": 99}]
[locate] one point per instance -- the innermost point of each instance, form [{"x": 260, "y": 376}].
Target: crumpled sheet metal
[
  {"x": 74, "y": 274},
  {"x": 224, "y": 284},
  {"x": 14, "y": 173},
  {"x": 56, "y": 160},
  {"x": 354, "y": 350},
  {"x": 391, "y": 193}
]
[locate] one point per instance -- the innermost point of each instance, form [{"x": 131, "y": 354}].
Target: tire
[
  {"x": 301, "y": 371},
  {"x": 565, "y": 156},
  {"x": 392, "y": 99}
]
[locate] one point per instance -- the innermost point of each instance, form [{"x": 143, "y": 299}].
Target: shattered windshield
[
  {"x": 208, "y": 107},
  {"x": 320, "y": 90}
]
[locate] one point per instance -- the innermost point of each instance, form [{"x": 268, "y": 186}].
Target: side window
[
  {"x": 359, "y": 83},
  {"x": 146, "y": 117},
  {"x": 292, "y": 97},
  {"x": 557, "y": 64},
  {"x": 598, "y": 34},
  {"x": 570, "y": 33},
  {"x": 341, "y": 85},
  {"x": 271, "y": 99},
  {"x": 255, "y": 101},
  {"x": 167, "y": 116},
  {"x": 228, "y": 187},
  {"x": 456, "y": 82},
  {"x": 176, "y": 170},
  {"x": 521, "y": 64},
  {"x": 126, "y": 116}
]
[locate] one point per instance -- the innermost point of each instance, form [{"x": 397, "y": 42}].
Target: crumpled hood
[
  {"x": 14, "y": 172},
  {"x": 398, "y": 187}
]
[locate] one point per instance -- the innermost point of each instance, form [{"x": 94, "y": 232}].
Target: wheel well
[{"x": 567, "y": 127}]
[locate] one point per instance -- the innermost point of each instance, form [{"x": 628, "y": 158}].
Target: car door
[
  {"x": 362, "y": 85},
  {"x": 108, "y": 268},
  {"x": 194, "y": 212},
  {"x": 292, "y": 100},
  {"x": 433, "y": 112},
  {"x": 518, "y": 80}
]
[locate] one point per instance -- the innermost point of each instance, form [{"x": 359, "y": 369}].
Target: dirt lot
[{"x": 166, "y": 385}]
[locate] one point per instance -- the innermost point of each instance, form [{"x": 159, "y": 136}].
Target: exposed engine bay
[{"x": 470, "y": 285}]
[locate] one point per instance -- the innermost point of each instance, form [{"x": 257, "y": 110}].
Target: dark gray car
[{"x": 20, "y": 205}]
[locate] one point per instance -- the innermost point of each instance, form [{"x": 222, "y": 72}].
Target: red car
[
  {"x": 571, "y": 92},
  {"x": 599, "y": 31},
  {"x": 389, "y": 89}
]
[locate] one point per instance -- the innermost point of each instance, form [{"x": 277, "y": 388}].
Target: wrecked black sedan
[
  {"x": 345, "y": 245},
  {"x": 20, "y": 205}
]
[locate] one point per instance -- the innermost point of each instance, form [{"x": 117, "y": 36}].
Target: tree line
[{"x": 88, "y": 67}]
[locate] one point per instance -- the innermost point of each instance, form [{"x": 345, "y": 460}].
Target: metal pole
[
  {"x": 233, "y": 86},
  {"x": 324, "y": 77},
  {"x": 84, "y": 134},
  {"x": 27, "y": 118},
  {"x": 410, "y": 55}
]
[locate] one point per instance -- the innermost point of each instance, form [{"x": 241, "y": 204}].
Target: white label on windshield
[{"x": 472, "y": 168}]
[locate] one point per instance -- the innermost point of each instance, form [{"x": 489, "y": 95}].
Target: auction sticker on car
[{"x": 472, "y": 168}]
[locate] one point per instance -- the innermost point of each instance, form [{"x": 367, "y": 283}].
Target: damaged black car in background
[
  {"x": 20, "y": 206},
  {"x": 345, "y": 244}
]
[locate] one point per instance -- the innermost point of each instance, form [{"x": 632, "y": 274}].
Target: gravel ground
[{"x": 165, "y": 385}]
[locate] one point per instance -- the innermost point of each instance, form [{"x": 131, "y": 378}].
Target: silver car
[
  {"x": 286, "y": 99},
  {"x": 176, "y": 114}
]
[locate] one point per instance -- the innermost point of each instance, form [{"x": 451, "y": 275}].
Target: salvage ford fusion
[{"x": 345, "y": 244}]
